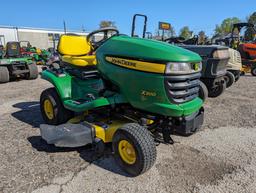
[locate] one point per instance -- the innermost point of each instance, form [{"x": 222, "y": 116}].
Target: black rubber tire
[
  {"x": 143, "y": 144},
  {"x": 253, "y": 71},
  {"x": 229, "y": 78},
  {"x": 4, "y": 74},
  {"x": 61, "y": 114},
  {"x": 237, "y": 77},
  {"x": 217, "y": 91},
  {"x": 203, "y": 91},
  {"x": 33, "y": 71}
]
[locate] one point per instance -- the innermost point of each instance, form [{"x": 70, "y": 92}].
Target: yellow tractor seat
[
  {"x": 76, "y": 50},
  {"x": 80, "y": 61}
]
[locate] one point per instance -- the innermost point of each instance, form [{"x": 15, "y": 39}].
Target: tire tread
[
  {"x": 4, "y": 74},
  {"x": 145, "y": 141}
]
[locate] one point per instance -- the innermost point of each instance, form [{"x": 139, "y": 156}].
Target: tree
[
  {"x": 185, "y": 32},
  {"x": 249, "y": 33},
  {"x": 226, "y": 26},
  {"x": 201, "y": 37},
  {"x": 104, "y": 24}
]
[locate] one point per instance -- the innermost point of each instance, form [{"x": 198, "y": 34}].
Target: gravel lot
[{"x": 219, "y": 158}]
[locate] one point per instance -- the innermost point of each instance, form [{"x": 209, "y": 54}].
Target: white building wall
[
  {"x": 40, "y": 37},
  {"x": 9, "y": 34},
  {"x": 37, "y": 37},
  {"x": 39, "y": 40}
]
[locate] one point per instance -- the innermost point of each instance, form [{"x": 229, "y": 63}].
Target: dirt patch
[{"x": 189, "y": 167}]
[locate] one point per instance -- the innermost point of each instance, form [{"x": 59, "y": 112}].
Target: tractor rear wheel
[
  {"x": 134, "y": 149},
  {"x": 4, "y": 74},
  {"x": 203, "y": 91},
  {"x": 229, "y": 78},
  {"x": 217, "y": 91},
  {"x": 33, "y": 71},
  {"x": 253, "y": 71},
  {"x": 52, "y": 109}
]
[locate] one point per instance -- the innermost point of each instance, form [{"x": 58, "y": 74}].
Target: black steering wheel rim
[{"x": 105, "y": 30}]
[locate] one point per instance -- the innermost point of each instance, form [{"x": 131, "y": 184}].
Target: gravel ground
[{"x": 219, "y": 158}]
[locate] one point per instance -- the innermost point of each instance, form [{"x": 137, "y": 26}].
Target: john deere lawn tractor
[
  {"x": 129, "y": 92},
  {"x": 13, "y": 65}
]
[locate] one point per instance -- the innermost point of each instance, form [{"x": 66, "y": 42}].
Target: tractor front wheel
[
  {"x": 4, "y": 74},
  {"x": 217, "y": 91},
  {"x": 52, "y": 109},
  {"x": 229, "y": 78},
  {"x": 253, "y": 71},
  {"x": 134, "y": 149}
]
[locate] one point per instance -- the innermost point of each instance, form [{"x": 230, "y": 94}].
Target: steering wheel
[{"x": 90, "y": 37}]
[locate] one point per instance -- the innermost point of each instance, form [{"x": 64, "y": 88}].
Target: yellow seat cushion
[
  {"x": 80, "y": 61},
  {"x": 74, "y": 45},
  {"x": 75, "y": 49}
]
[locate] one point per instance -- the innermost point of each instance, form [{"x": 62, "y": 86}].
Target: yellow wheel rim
[
  {"x": 48, "y": 109},
  {"x": 127, "y": 152}
]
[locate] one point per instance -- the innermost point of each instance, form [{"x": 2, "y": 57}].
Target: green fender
[{"x": 61, "y": 83}]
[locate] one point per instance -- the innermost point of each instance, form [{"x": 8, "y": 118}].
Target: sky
[{"x": 78, "y": 14}]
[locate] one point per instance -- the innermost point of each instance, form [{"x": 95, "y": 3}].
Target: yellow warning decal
[{"x": 137, "y": 65}]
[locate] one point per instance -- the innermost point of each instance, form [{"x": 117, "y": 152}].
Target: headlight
[
  {"x": 183, "y": 67},
  {"x": 221, "y": 54}
]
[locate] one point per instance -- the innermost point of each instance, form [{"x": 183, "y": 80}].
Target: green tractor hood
[
  {"x": 137, "y": 68},
  {"x": 149, "y": 50}
]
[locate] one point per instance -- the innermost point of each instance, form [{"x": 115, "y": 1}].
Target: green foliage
[
  {"x": 249, "y": 33},
  {"x": 226, "y": 26},
  {"x": 104, "y": 24},
  {"x": 185, "y": 32},
  {"x": 201, "y": 37}
]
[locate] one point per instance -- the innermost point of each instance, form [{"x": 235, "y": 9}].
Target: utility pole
[{"x": 65, "y": 30}]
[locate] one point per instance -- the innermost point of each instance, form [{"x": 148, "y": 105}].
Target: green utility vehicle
[
  {"x": 13, "y": 65},
  {"x": 130, "y": 91}
]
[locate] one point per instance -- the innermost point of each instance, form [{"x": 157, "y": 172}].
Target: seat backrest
[
  {"x": 73, "y": 45},
  {"x": 13, "y": 49}
]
